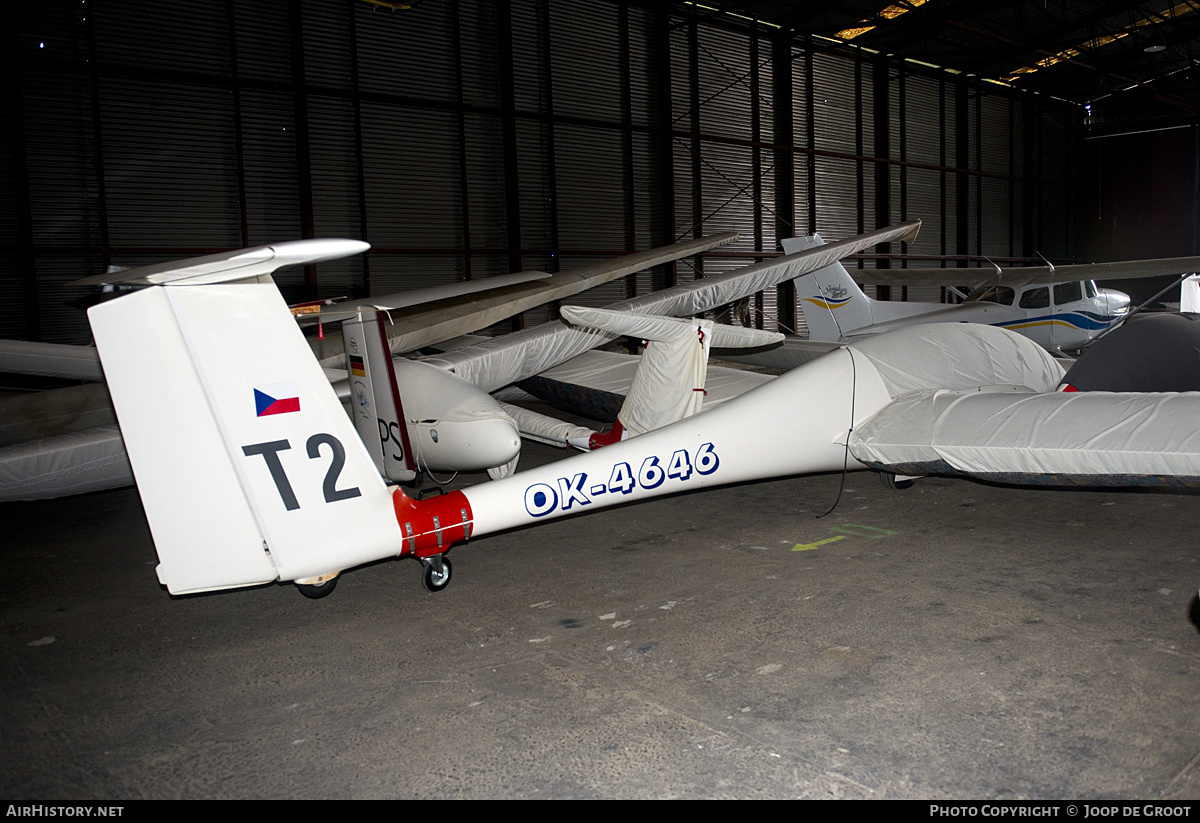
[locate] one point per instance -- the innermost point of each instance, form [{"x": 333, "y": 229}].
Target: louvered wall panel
[
  {"x": 269, "y": 153},
  {"x": 766, "y": 157},
  {"x": 191, "y": 38},
  {"x": 681, "y": 74},
  {"x": 590, "y": 188},
  {"x": 394, "y": 272},
  {"x": 485, "y": 189},
  {"x": 728, "y": 202},
  {"x": 973, "y": 185},
  {"x": 528, "y": 50},
  {"x": 724, "y": 82},
  {"x": 537, "y": 193},
  {"x": 996, "y": 160},
  {"x": 648, "y": 210},
  {"x": 924, "y": 135},
  {"x": 1020, "y": 242},
  {"x": 950, "y": 226},
  {"x": 407, "y": 53},
  {"x": 924, "y": 203},
  {"x": 327, "y": 44},
  {"x": 410, "y": 169},
  {"x": 686, "y": 150},
  {"x": 897, "y": 144},
  {"x": 834, "y": 117},
  {"x": 60, "y": 151},
  {"x": 10, "y": 208},
  {"x": 804, "y": 210},
  {"x": 168, "y": 78},
  {"x": 587, "y": 88},
  {"x": 335, "y": 191},
  {"x": 15, "y": 321},
  {"x": 834, "y": 107},
  {"x": 262, "y": 37},
  {"x": 685, "y": 191},
  {"x": 335, "y": 173},
  {"x": 837, "y": 200},
  {"x": 477, "y": 24},
  {"x": 643, "y": 99},
  {"x": 996, "y": 137},
  {"x": 62, "y": 319},
  {"x": 170, "y": 164},
  {"x": 996, "y": 222}
]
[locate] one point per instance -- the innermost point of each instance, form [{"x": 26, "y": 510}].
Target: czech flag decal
[{"x": 279, "y": 398}]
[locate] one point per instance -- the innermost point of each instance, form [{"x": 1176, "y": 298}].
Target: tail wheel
[
  {"x": 316, "y": 592},
  {"x": 437, "y": 573},
  {"x": 893, "y": 481}
]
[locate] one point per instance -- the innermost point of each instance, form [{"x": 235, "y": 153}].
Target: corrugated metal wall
[{"x": 467, "y": 138}]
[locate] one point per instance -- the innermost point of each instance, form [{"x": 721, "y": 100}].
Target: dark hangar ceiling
[{"x": 1134, "y": 63}]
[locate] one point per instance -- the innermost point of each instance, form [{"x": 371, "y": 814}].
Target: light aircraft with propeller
[{"x": 1058, "y": 307}]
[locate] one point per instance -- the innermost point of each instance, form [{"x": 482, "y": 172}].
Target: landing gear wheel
[
  {"x": 436, "y": 579},
  {"x": 318, "y": 591},
  {"x": 893, "y": 482}
]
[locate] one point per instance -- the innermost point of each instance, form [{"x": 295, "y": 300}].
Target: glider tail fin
[
  {"x": 248, "y": 468},
  {"x": 833, "y": 304},
  {"x": 375, "y": 397}
]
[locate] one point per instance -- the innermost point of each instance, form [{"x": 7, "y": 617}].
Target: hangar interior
[
  {"x": 464, "y": 139},
  {"x": 1046, "y": 652}
]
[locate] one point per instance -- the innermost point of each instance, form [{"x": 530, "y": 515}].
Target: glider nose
[{"x": 468, "y": 445}]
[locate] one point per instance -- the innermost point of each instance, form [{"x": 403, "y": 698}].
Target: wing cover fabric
[
  {"x": 980, "y": 401},
  {"x": 543, "y": 428},
  {"x": 505, "y": 360},
  {"x": 595, "y": 383},
  {"x": 958, "y": 356},
  {"x": 50, "y": 360},
  {"x": 1054, "y": 438},
  {"x": 412, "y": 329},
  {"x": 669, "y": 383},
  {"x": 72, "y": 463}
]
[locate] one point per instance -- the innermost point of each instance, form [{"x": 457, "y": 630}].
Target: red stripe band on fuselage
[{"x": 432, "y": 526}]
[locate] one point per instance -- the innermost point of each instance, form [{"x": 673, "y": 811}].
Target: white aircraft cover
[
  {"x": 72, "y": 463},
  {"x": 507, "y": 359},
  {"x": 1189, "y": 295},
  {"x": 413, "y": 329},
  {"x": 1099, "y": 438},
  {"x": 50, "y": 360},
  {"x": 669, "y": 384},
  {"x": 958, "y": 356},
  {"x": 543, "y": 428}
]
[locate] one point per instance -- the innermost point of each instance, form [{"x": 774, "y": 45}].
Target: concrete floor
[{"x": 950, "y": 641}]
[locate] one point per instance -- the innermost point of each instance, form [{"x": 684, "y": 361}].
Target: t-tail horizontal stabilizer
[{"x": 229, "y": 266}]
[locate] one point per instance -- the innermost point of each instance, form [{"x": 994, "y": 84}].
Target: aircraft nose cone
[
  {"x": 495, "y": 442},
  {"x": 469, "y": 445}
]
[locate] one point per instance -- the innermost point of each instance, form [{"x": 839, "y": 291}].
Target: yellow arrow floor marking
[{"x": 804, "y": 547}]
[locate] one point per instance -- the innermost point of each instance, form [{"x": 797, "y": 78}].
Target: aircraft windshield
[
  {"x": 1067, "y": 293},
  {"x": 997, "y": 294}
]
